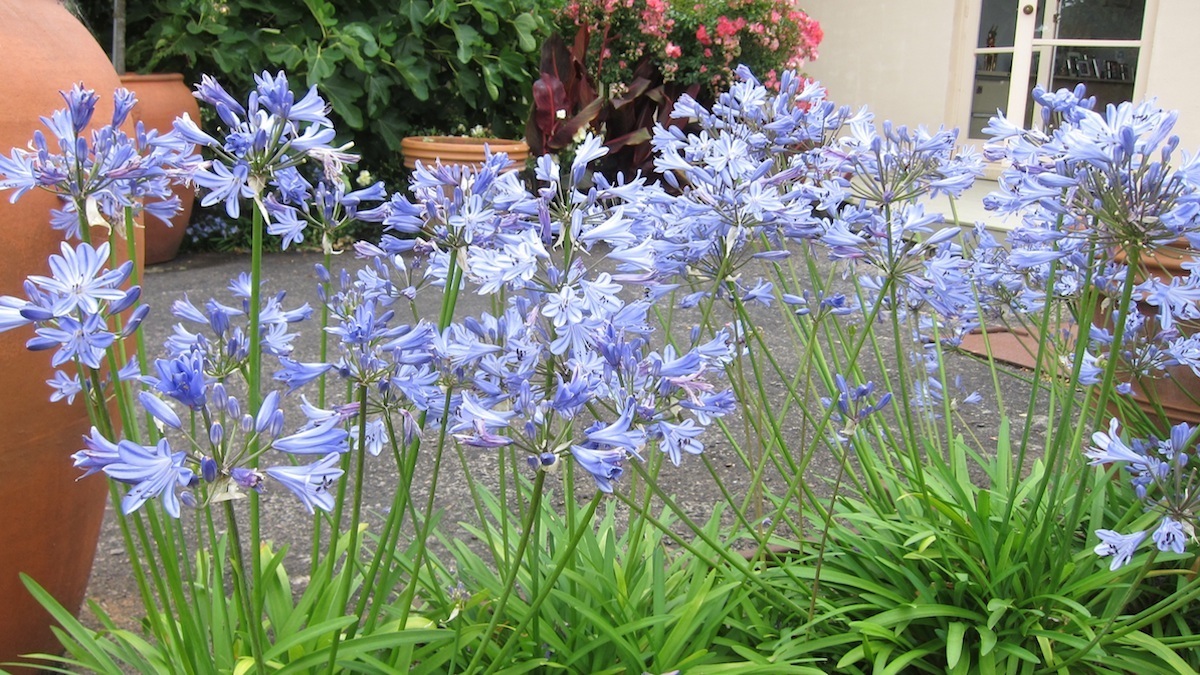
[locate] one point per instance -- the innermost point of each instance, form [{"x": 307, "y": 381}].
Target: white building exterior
[{"x": 953, "y": 62}]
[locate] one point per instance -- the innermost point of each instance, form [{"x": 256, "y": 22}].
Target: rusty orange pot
[
  {"x": 460, "y": 150},
  {"x": 161, "y": 98},
  {"x": 50, "y": 522}
]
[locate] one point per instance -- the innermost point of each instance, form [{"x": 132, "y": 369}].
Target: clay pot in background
[
  {"x": 161, "y": 98},
  {"x": 49, "y": 523},
  {"x": 460, "y": 150}
]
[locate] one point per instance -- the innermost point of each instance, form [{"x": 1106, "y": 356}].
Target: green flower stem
[
  {"x": 425, "y": 527},
  {"x": 1179, "y": 599},
  {"x": 160, "y": 585},
  {"x": 315, "y": 548},
  {"x": 1125, "y": 306},
  {"x": 406, "y": 464},
  {"x": 445, "y": 316},
  {"x": 735, "y": 560},
  {"x": 566, "y": 560},
  {"x": 254, "y": 396},
  {"x": 1039, "y": 368},
  {"x": 139, "y": 572},
  {"x": 511, "y": 576},
  {"x": 757, "y": 453},
  {"x": 242, "y": 589},
  {"x": 143, "y": 355},
  {"x": 100, "y": 416},
  {"x": 824, "y": 542},
  {"x": 342, "y": 598}
]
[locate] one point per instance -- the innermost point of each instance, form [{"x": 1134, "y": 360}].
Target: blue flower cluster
[
  {"x": 72, "y": 310},
  {"x": 565, "y": 367},
  {"x": 1095, "y": 194},
  {"x": 99, "y": 174},
  {"x": 1163, "y": 476}
]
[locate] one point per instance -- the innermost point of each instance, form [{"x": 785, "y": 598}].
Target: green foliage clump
[{"x": 386, "y": 69}]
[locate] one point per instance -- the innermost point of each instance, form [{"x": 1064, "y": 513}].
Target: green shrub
[{"x": 387, "y": 69}]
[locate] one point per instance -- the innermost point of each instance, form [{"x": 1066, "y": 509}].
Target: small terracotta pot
[
  {"x": 161, "y": 98},
  {"x": 460, "y": 150},
  {"x": 50, "y": 522}
]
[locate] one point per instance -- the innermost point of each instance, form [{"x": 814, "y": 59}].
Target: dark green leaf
[
  {"x": 379, "y": 93},
  {"x": 285, "y": 54},
  {"x": 343, "y": 95},
  {"x": 526, "y": 25},
  {"x": 467, "y": 36}
]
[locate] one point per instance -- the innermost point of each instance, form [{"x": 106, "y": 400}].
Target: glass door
[{"x": 1058, "y": 44}]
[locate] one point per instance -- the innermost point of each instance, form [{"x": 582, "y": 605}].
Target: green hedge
[{"x": 389, "y": 69}]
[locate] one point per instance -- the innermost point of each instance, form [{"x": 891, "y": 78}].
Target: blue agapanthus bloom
[
  {"x": 153, "y": 471},
  {"x": 263, "y": 141},
  {"x": 1162, "y": 474},
  {"x": 107, "y": 168},
  {"x": 312, "y": 483},
  {"x": 71, "y": 309}
]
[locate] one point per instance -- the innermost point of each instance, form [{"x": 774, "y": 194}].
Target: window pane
[
  {"x": 998, "y": 17},
  {"x": 990, "y": 95},
  {"x": 997, "y": 27},
  {"x": 1101, "y": 19},
  {"x": 1107, "y": 72}
]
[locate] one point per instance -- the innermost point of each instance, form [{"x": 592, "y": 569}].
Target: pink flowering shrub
[{"x": 691, "y": 41}]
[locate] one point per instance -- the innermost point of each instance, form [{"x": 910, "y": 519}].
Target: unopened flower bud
[
  {"x": 219, "y": 397},
  {"x": 131, "y": 296},
  {"x": 208, "y": 469},
  {"x": 275, "y": 427},
  {"x": 135, "y": 320},
  {"x": 216, "y": 434}
]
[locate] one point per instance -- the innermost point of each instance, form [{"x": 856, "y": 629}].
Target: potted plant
[
  {"x": 463, "y": 150},
  {"x": 1177, "y": 391}
]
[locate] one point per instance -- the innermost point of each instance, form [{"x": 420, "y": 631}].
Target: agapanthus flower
[
  {"x": 106, "y": 171},
  {"x": 312, "y": 483},
  {"x": 98, "y": 452},
  {"x": 604, "y": 465},
  {"x": 1120, "y": 546},
  {"x": 153, "y": 471},
  {"x": 263, "y": 141}
]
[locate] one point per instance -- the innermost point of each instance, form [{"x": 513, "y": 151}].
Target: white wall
[
  {"x": 894, "y": 57},
  {"x": 1174, "y": 69},
  {"x": 907, "y": 59}
]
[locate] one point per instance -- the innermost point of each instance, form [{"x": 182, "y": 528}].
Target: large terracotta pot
[
  {"x": 49, "y": 523},
  {"x": 161, "y": 98},
  {"x": 460, "y": 150}
]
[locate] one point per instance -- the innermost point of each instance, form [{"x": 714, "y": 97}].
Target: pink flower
[
  {"x": 702, "y": 35},
  {"x": 725, "y": 27},
  {"x": 673, "y": 50}
]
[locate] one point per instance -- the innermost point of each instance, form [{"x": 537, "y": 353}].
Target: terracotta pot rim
[
  {"x": 468, "y": 141},
  {"x": 152, "y": 77}
]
